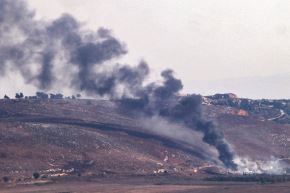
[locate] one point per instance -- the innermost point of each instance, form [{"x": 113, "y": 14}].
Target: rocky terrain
[
  {"x": 80, "y": 137},
  {"x": 49, "y": 140}
]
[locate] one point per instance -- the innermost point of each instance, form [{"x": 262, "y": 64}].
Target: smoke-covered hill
[
  {"x": 56, "y": 137},
  {"x": 144, "y": 127},
  {"x": 87, "y": 137}
]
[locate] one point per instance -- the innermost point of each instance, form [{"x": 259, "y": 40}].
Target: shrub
[
  {"x": 41, "y": 95},
  {"x": 5, "y": 179},
  {"x": 36, "y": 175},
  {"x": 56, "y": 96}
]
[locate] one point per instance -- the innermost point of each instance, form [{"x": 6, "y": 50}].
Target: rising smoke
[
  {"x": 37, "y": 49},
  {"x": 271, "y": 166},
  {"x": 163, "y": 100}
]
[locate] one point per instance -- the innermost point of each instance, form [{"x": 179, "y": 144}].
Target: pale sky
[{"x": 199, "y": 39}]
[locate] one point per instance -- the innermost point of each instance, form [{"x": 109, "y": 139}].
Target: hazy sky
[{"x": 199, "y": 39}]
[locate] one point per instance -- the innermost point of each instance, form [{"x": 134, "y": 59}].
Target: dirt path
[{"x": 282, "y": 113}]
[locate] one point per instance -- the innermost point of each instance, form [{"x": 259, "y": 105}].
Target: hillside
[
  {"x": 84, "y": 137},
  {"x": 66, "y": 137}
]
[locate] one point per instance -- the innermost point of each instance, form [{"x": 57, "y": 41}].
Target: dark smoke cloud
[
  {"x": 163, "y": 100},
  {"x": 46, "y": 76},
  {"x": 27, "y": 43}
]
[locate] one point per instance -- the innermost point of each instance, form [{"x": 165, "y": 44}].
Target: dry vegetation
[{"x": 80, "y": 145}]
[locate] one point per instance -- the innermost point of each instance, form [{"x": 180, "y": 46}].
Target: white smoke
[{"x": 271, "y": 166}]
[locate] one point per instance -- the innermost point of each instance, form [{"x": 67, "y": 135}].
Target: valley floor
[{"x": 89, "y": 187}]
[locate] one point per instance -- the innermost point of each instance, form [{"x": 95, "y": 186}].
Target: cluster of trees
[
  {"x": 19, "y": 96},
  {"x": 43, "y": 95}
]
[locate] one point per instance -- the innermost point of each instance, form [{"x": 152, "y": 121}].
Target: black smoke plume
[
  {"x": 163, "y": 100},
  {"x": 47, "y": 52}
]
